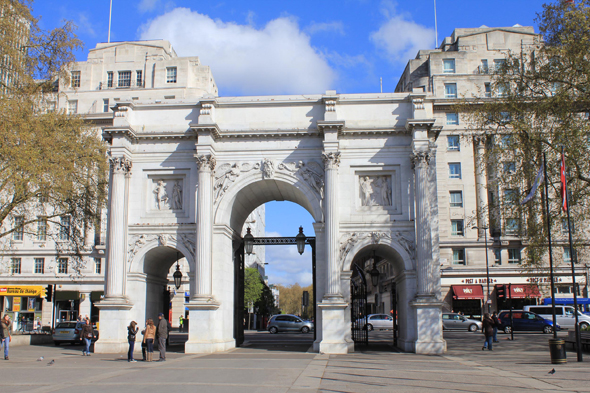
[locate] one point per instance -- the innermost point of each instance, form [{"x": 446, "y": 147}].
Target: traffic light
[
  {"x": 305, "y": 300},
  {"x": 49, "y": 293},
  {"x": 501, "y": 291}
]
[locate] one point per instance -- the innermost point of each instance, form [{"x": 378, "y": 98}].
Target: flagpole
[
  {"x": 550, "y": 249},
  {"x": 110, "y": 15},
  {"x": 569, "y": 229}
]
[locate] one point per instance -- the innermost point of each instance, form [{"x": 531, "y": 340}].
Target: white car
[
  {"x": 378, "y": 321},
  {"x": 564, "y": 315}
]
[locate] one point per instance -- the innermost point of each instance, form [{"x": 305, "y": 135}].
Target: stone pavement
[{"x": 513, "y": 366}]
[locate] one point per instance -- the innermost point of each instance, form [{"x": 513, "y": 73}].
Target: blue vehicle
[{"x": 525, "y": 321}]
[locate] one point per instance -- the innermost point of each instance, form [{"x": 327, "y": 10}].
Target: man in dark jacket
[{"x": 162, "y": 334}]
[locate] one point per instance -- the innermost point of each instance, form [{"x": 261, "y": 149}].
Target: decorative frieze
[
  {"x": 375, "y": 190},
  {"x": 138, "y": 242},
  {"x": 404, "y": 239}
]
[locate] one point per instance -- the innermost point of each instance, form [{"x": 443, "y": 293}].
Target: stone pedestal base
[
  {"x": 334, "y": 327},
  {"x": 429, "y": 326},
  {"x": 205, "y": 328},
  {"x": 112, "y": 329}
]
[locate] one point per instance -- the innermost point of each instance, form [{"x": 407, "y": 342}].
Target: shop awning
[
  {"x": 467, "y": 292},
  {"x": 24, "y": 290},
  {"x": 521, "y": 291}
]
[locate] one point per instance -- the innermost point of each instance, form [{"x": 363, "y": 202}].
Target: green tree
[
  {"x": 290, "y": 300},
  {"x": 253, "y": 287},
  {"x": 542, "y": 105},
  {"x": 52, "y": 164}
]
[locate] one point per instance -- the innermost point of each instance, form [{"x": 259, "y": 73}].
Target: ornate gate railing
[{"x": 358, "y": 309}]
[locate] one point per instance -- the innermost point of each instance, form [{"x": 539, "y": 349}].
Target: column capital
[
  {"x": 206, "y": 162},
  {"x": 479, "y": 140},
  {"x": 420, "y": 158},
  {"x": 120, "y": 164},
  {"x": 331, "y": 159}
]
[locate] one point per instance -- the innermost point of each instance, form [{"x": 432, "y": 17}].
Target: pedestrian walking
[
  {"x": 180, "y": 321},
  {"x": 148, "y": 338},
  {"x": 488, "y": 331},
  {"x": 6, "y": 328},
  {"x": 497, "y": 325},
  {"x": 23, "y": 323},
  {"x": 131, "y": 333},
  {"x": 162, "y": 334},
  {"x": 87, "y": 335}
]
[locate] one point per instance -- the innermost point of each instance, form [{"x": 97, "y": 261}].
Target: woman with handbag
[
  {"x": 131, "y": 333},
  {"x": 87, "y": 335},
  {"x": 148, "y": 338}
]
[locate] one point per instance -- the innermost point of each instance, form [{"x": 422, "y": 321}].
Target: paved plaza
[{"x": 281, "y": 363}]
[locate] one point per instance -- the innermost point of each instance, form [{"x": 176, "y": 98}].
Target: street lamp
[
  {"x": 177, "y": 274},
  {"x": 300, "y": 240},
  {"x": 248, "y": 242},
  {"x": 374, "y": 272},
  {"x": 485, "y": 233}
]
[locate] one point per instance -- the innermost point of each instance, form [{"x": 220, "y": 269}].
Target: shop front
[
  {"x": 23, "y": 304},
  {"x": 516, "y": 295},
  {"x": 468, "y": 299}
]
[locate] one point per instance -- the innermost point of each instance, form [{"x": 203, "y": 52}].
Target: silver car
[
  {"x": 69, "y": 332},
  {"x": 461, "y": 322},
  {"x": 378, "y": 321},
  {"x": 288, "y": 323}
]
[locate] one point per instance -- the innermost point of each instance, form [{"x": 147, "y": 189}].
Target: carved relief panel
[{"x": 378, "y": 191}]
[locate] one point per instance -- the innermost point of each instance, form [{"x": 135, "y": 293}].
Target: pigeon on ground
[
  {"x": 552, "y": 371},
  {"x": 51, "y": 362},
  {"x": 41, "y": 358}
]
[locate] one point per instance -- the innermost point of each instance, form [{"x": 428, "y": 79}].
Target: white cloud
[
  {"x": 336, "y": 27},
  {"x": 147, "y": 5},
  {"x": 275, "y": 59},
  {"x": 287, "y": 267},
  {"x": 401, "y": 39},
  {"x": 85, "y": 25}
]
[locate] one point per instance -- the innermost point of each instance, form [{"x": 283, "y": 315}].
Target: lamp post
[
  {"x": 488, "y": 300},
  {"x": 177, "y": 274},
  {"x": 300, "y": 240},
  {"x": 374, "y": 272}
]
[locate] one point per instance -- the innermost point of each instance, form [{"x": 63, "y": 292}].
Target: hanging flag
[
  {"x": 563, "y": 183},
  {"x": 536, "y": 184}
]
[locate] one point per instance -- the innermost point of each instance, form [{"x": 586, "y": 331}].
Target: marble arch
[{"x": 361, "y": 164}]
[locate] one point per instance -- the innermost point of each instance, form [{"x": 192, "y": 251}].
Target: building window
[
  {"x": 488, "y": 89},
  {"x": 514, "y": 255},
  {"x": 456, "y": 198},
  {"x": 449, "y": 66},
  {"x": 452, "y": 118},
  {"x": 42, "y": 229},
  {"x": 502, "y": 90},
  {"x": 105, "y": 105},
  {"x": 75, "y": 81},
  {"x": 512, "y": 225},
  {"x": 510, "y": 197},
  {"x": 15, "y": 265},
  {"x": 124, "y": 79},
  {"x": 97, "y": 265},
  {"x": 564, "y": 226},
  {"x": 453, "y": 142},
  {"x": 19, "y": 229},
  {"x": 454, "y": 170},
  {"x": 171, "y": 75},
  {"x": 450, "y": 90},
  {"x": 64, "y": 228},
  {"x": 457, "y": 228},
  {"x": 62, "y": 265},
  {"x": 497, "y": 256},
  {"x": 483, "y": 68},
  {"x": 39, "y": 265},
  {"x": 499, "y": 64},
  {"x": 72, "y": 107},
  {"x": 139, "y": 78},
  {"x": 567, "y": 256},
  {"x": 509, "y": 168},
  {"x": 459, "y": 256},
  {"x": 110, "y": 78}
]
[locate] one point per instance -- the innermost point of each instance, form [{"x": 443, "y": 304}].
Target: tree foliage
[
  {"x": 52, "y": 164},
  {"x": 290, "y": 299},
  {"x": 253, "y": 286},
  {"x": 544, "y": 106}
]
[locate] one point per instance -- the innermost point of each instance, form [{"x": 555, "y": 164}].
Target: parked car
[
  {"x": 525, "y": 321},
  {"x": 564, "y": 315},
  {"x": 377, "y": 321},
  {"x": 288, "y": 323},
  {"x": 461, "y": 322},
  {"x": 69, "y": 332}
]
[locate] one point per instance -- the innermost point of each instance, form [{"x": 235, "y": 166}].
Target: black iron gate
[
  {"x": 394, "y": 312},
  {"x": 239, "y": 294},
  {"x": 358, "y": 309}
]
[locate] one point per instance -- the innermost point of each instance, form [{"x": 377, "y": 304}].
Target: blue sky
[{"x": 288, "y": 47}]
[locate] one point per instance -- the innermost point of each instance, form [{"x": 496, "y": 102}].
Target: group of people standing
[
  {"x": 490, "y": 325},
  {"x": 150, "y": 333}
]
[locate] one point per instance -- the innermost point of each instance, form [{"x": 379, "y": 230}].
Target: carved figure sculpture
[
  {"x": 383, "y": 183},
  {"x": 366, "y": 191},
  {"x": 268, "y": 168},
  {"x": 161, "y": 195},
  {"x": 177, "y": 196}
]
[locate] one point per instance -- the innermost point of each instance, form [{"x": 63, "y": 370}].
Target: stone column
[
  {"x": 202, "y": 291},
  {"x": 480, "y": 183},
  {"x": 117, "y": 229},
  {"x": 332, "y": 161},
  {"x": 420, "y": 161},
  {"x": 85, "y": 303}
]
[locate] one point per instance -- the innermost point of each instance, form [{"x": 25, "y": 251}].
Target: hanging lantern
[
  {"x": 248, "y": 242},
  {"x": 300, "y": 240}
]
